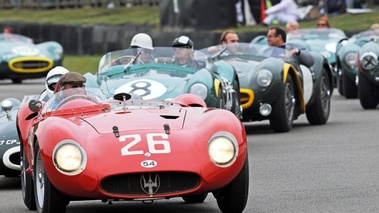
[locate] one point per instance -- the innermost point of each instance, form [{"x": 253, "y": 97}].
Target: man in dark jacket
[{"x": 276, "y": 37}]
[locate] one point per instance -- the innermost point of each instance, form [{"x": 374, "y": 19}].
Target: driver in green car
[
  {"x": 277, "y": 37},
  {"x": 183, "y": 53}
]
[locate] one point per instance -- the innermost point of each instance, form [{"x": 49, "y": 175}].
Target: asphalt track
[{"x": 328, "y": 168}]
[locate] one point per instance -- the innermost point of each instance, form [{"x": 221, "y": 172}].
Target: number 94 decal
[{"x": 157, "y": 143}]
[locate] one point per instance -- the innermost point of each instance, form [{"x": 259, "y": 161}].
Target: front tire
[
  {"x": 283, "y": 109},
  {"x": 233, "y": 197},
  {"x": 368, "y": 93},
  {"x": 27, "y": 187},
  {"x": 195, "y": 198},
  {"x": 48, "y": 198},
  {"x": 349, "y": 87},
  {"x": 319, "y": 111}
]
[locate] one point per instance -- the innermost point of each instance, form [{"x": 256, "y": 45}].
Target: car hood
[{"x": 148, "y": 119}]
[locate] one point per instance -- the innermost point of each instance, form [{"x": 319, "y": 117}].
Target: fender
[{"x": 288, "y": 69}]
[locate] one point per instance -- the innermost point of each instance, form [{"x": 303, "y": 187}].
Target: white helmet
[
  {"x": 142, "y": 40},
  {"x": 53, "y": 77}
]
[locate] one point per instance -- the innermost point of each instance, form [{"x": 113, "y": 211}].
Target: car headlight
[
  {"x": 350, "y": 59},
  {"x": 264, "y": 78},
  {"x": 368, "y": 60},
  {"x": 199, "y": 89},
  {"x": 6, "y": 105},
  {"x": 69, "y": 157},
  {"x": 223, "y": 149}
]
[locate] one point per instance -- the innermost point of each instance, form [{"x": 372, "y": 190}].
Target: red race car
[{"x": 81, "y": 146}]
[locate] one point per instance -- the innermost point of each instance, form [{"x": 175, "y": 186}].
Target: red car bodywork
[{"x": 166, "y": 144}]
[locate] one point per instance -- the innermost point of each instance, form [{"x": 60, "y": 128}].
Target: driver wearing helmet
[
  {"x": 183, "y": 53},
  {"x": 142, "y": 43},
  {"x": 51, "y": 81}
]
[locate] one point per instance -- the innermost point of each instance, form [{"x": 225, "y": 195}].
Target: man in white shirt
[{"x": 285, "y": 11}]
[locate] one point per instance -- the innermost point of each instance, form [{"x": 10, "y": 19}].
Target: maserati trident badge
[{"x": 150, "y": 183}]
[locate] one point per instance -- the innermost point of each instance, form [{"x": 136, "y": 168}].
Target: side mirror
[{"x": 35, "y": 105}]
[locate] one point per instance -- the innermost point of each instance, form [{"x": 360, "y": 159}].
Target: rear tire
[
  {"x": 318, "y": 112},
  {"x": 368, "y": 93}
]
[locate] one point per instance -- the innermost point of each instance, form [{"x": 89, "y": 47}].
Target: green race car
[
  {"x": 279, "y": 89},
  {"x": 21, "y": 59},
  {"x": 159, "y": 78}
]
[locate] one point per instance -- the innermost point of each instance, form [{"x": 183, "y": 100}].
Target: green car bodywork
[
  {"x": 21, "y": 59},
  {"x": 368, "y": 73},
  {"x": 347, "y": 70},
  {"x": 280, "y": 89}
]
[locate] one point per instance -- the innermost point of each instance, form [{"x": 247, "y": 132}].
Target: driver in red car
[{"x": 68, "y": 81}]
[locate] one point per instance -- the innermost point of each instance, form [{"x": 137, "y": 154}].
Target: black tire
[
  {"x": 318, "y": 112},
  {"x": 368, "y": 94},
  {"x": 27, "y": 186},
  {"x": 282, "y": 116},
  {"x": 350, "y": 89},
  {"x": 233, "y": 197},
  {"x": 48, "y": 198},
  {"x": 340, "y": 85},
  {"x": 16, "y": 80},
  {"x": 195, "y": 198}
]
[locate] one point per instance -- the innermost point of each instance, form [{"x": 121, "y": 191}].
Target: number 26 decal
[{"x": 157, "y": 143}]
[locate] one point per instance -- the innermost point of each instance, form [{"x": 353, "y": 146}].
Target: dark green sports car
[
  {"x": 278, "y": 88},
  {"x": 21, "y": 59},
  {"x": 159, "y": 77}
]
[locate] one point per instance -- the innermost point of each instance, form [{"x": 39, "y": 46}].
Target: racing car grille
[
  {"x": 27, "y": 65},
  {"x": 156, "y": 184}
]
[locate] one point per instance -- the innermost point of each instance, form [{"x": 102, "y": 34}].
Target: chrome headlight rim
[
  {"x": 220, "y": 138},
  {"x": 264, "y": 77},
  {"x": 368, "y": 60},
  {"x": 350, "y": 58},
  {"x": 80, "y": 164},
  {"x": 200, "y": 90}
]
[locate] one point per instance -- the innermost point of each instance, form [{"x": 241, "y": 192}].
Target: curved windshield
[
  {"x": 182, "y": 57},
  {"x": 316, "y": 34},
  {"x": 15, "y": 37},
  {"x": 77, "y": 97},
  {"x": 244, "y": 49}
]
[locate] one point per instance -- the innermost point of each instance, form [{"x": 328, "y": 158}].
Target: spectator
[
  {"x": 284, "y": 11},
  {"x": 8, "y": 30},
  {"x": 277, "y": 37},
  {"x": 183, "y": 53},
  {"x": 51, "y": 81},
  {"x": 292, "y": 25},
  {"x": 323, "y": 23}
]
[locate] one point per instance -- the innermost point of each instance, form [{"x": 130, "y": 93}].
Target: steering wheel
[
  {"x": 75, "y": 97},
  {"x": 123, "y": 60}
]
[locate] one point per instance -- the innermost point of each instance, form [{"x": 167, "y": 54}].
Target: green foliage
[{"x": 82, "y": 64}]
